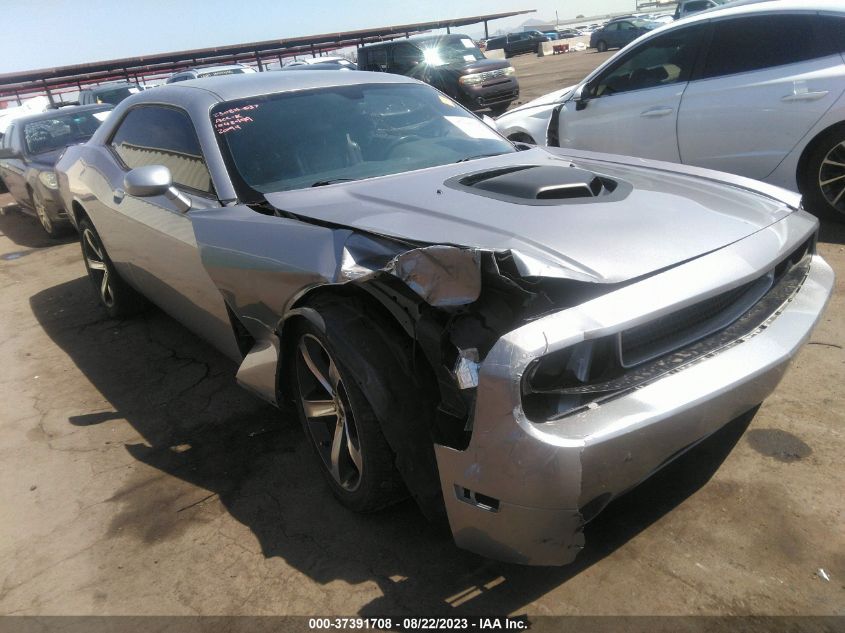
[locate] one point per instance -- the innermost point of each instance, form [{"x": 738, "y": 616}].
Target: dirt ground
[{"x": 137, "y": 478}]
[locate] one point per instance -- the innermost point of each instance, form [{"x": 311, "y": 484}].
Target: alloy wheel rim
[
  {"x": 95, "y": 261},
  {"x": 41, "y": 212},
  {"x": 832, "y": 177},
  {"x": 328, "y": 413}
]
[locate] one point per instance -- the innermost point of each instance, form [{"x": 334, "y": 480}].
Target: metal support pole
[
  {"x": 260, "y": 65},
  {"x": 448, "y": 31},
  {"x": 486, "y": 31},
  {"x": 312, "y": 51},
  {"x": 49, "y": 94}
]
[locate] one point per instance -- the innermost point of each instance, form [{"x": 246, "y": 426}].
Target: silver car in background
[{"x": 514, "y": 338}]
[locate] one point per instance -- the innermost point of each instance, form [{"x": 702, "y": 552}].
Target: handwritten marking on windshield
[{"x": 231, "y": 120}]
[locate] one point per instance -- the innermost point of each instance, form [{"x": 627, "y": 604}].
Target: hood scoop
[{"x": 541, "y": 185}]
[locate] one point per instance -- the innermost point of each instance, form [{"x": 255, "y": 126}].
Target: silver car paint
[{"x": 685, "y": 234}]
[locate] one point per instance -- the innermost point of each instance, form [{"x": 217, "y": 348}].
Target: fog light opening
[{"x": 484, "y": 502}]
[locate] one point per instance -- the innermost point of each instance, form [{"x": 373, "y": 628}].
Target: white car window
[
  {"x": 754, "y": 43},
  {"x": 660, "y": 61}
]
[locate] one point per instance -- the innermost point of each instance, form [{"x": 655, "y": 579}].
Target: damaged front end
[{"x": 552, "y": 393}]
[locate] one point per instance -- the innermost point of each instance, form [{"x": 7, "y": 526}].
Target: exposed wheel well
[
  {"x": 78, "y": 212},
  {"x": 375, "y": 310},
  {"x": 808, "y": 151}
]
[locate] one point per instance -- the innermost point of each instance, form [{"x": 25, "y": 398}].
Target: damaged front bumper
[{"x": 522, "y": 490}]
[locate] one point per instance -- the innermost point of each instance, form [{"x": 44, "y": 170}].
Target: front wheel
[
  {"x": 47, "y": 223},
  {"x": 601, "y": 46},
  {"x": 340, "y": 423},
  {"x": 117, "y": 297},
  {"x": 823, "y": 181}
]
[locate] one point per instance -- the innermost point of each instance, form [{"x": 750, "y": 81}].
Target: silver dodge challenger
[{"x": 513, "y": 336}]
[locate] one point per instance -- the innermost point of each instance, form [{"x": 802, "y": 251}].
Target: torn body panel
[{"x": 565, "y": 469}]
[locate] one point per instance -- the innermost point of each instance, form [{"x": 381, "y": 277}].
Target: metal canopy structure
[{"x": 49, "y": 81}]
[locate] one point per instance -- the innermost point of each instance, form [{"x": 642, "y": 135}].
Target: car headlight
[
  {"x": 570, "y": 378},
  {"x": 473, "y": 79},
  {"x": 48, "y": 179}
]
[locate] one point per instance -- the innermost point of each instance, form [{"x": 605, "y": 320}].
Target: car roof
[
  {"x": 205, "y": 69},
  {"x": 229, "y": 87},
  {"x": 750, "y": 7},
  {"x": 111, "y": 86},
  {"x": 61, "y": 112}
]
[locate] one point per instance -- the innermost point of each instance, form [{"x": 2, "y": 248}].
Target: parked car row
[
  {"x": 756, "y": 90},
  {"x": 517, "y": 43},
  {"x": 28, "y": 154}
]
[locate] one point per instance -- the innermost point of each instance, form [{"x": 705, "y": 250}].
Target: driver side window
[
  {"x": 160, "y": 135},
  {"x": 660, "y": 61}
]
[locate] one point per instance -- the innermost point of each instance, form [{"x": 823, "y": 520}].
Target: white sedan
[{"x": 755, "y": 90}]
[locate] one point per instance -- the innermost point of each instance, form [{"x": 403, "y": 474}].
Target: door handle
[
  {"x": 658, "y": 111},
  {"x": 118, "y": 195},
  {"x": 805, "y": 96}
]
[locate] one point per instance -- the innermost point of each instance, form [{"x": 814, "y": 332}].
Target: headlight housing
[
  {"x": 48, "y": 179},
  {"x": 568, "y": 379},
  {"x": 476, "y": 79}
]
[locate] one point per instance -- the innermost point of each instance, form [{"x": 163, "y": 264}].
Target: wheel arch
[
  {"x": 78, "y": 212},
  {"x": 800, "y": 171},
  {"x": 411, "y": 432}
]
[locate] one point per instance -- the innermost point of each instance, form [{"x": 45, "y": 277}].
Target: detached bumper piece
[{"x": 692, "y": 348}]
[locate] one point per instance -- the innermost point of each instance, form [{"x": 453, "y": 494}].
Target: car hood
[
  {"x": 47, "y": 160},
  {"x": 664, "y": 218},
  {"x": 482, "y": 65},
  {"x": 549, "y": 99}
]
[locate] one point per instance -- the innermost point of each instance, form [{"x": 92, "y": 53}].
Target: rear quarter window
[
  {"x": 760, "y": 42},
  {"x": 833, "y": 29}
]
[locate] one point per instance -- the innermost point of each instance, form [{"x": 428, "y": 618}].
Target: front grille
[
  {"x": 492, "y": 74},
  {"x": 623, "y": 362},
  {"x": 650, "y": 340},
  {"x": 498, "y": 96}
]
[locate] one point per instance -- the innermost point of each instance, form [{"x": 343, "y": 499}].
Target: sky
[{"x": 47, "y": 33}]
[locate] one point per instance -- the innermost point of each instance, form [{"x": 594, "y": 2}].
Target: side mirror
[
  {"x": 155, "y": 180},
  {"x": 8, "y": 152},
  {"x": 580, "y": 99}
]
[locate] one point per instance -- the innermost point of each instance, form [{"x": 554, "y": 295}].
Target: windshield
[
  {"x": 47, "y": 135},
  {"x": 114, "y": 96},
  {"x": 450, "y": 50},
  {"x": 295, "y": 140}
]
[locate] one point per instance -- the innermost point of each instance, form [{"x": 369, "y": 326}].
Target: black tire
[
  {"x": 117, "y": 297},
  {"x": 51, "y": 227},
  {"x": 499, "y": 108},
  {"x": 372, "y": 482},
  {"x": 823, "y": 180},
  {"x": 601, "y": 46}
]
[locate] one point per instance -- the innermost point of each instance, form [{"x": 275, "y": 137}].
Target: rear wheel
[
  {"x": 601, "y": 46},
  {"x": 117, "y": 297},
  {"x": 823, "y": 181}
]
